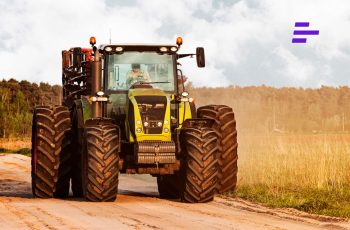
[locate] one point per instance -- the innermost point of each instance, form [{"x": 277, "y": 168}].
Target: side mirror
[{"x": 200, "y": 57}]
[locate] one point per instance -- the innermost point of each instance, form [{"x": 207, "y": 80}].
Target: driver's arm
[
  {"x": 129, "y": 77},
  {"x": 146, "y": 76}
]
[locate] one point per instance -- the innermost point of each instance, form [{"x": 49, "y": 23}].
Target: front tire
[
  {"x": 199, "y": 167},
  {"x": 101, "y": 166}
]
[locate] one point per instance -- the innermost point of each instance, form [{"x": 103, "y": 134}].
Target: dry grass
[
  {"x": 308, "y": 161},
  {"x": 14, "y": 144},
  {"x": 308, "y": 172}
]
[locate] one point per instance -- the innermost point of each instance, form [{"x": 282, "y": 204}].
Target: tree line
[
  {"x": 283, "y": 110},
  {"x": 17, "y": 99},
  {"x": 258, "y": 109}
]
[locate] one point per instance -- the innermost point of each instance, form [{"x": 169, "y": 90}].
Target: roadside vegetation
[
  {"x": 19, "y": 145},
  {"x": 307, "y": 172},
  {"x": 23, "y": 151}
]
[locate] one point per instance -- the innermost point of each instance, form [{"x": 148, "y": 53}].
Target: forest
[
  {"x": 258, "y": 109},
  {"x": 17, "y": 99}
]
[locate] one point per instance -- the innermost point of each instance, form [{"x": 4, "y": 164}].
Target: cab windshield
[{"x": 129, "y": 68}]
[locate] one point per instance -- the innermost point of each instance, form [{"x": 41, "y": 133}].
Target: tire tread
[{"x": 225, "y": 127}]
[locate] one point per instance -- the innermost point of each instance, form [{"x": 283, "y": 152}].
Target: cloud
[
  {"x": 295, "y": 68},
  {"x": 247, "y": 42}
]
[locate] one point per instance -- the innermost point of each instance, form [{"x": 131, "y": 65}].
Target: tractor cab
[
  {"x": 141, "y": 82},
  {"x": 143, "y": 85}
]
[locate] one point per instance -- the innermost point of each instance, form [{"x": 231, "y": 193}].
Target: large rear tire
[
  {"x": 101, "y": 164},
  {"x": 51, "y": 152},
  {"x": 199, "y": 166},
  {"x": 225, "y": 126}
]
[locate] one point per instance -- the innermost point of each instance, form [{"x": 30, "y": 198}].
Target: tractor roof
[{"x": 162, "y": 48}]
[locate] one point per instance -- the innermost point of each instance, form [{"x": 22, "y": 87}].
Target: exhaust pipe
[{"x": 96, "y": 69}]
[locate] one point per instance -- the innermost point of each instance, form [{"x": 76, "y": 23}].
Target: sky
[{"x": 247, "y": 42}]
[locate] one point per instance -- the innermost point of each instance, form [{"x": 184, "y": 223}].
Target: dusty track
[{"x": 137, "y": 207}]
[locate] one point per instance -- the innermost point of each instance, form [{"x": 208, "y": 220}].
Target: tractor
[{"x": 125, "y": 110}]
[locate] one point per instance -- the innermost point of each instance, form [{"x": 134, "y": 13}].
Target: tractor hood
[
  {"x": 146, "y": 92},
  {"x": 148, "y": 115}
]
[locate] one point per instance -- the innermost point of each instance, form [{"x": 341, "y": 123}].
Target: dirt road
[{"x": 137, "y": 207}]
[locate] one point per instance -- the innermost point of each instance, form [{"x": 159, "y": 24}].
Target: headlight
[
  {"x": 166, "y": 130},
  {"x": 93, "y": 99},
  {"x": 119, "y": 49},
  {"x": 108, "y": 49},
  {"x": 100, "y": 93},
  {"x": 166, "y": 122},
  {"x": 138, "y": 122},
  {"x": 163, "y": 49},
  {"x": 138, "y": 130},
  {"x": 174, "y": 48},
  {"x": 184, "y": 94}
]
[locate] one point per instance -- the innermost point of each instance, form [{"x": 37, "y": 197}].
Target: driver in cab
[{"x": 136, "y": 74}]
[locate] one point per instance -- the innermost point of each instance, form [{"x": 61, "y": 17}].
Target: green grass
[
  {"x": 318, "y": 201},
  {"x": 23, "y": 151}
]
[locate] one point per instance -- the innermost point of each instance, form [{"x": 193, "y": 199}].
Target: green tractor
[{"x": 125, "y": 110}]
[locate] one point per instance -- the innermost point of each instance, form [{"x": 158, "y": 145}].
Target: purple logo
[{"x": 299, "y": 31}]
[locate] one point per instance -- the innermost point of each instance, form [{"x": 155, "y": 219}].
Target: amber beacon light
[
  {"x": 92, "y": 41},
  {"x": 179, "y": 41}
]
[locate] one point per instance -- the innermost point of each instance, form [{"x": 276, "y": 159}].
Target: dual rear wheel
[
  {"x": 51, "y": 152},
  {"x": 95, "y": 158},
  {"x": 225, "y": 128},
  {"x": 55, "y": 150},
  {"x": 209, "y": 159},
  {"x": 198, "y": 176}
]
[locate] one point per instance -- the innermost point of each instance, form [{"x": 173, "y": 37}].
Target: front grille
[
  {"x": 154, "y": 152},
  {"x": 152, "y": 110}
]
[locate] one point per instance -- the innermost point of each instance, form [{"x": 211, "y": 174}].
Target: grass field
[{"x": 307, "y": 172}]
